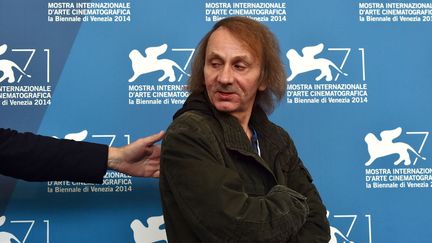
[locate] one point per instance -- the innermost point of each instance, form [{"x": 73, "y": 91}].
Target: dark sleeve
[
  {"x": 39, "y": 158},
  {"x": 212, "y": 198},
  {"x": 316, "y": 229}
]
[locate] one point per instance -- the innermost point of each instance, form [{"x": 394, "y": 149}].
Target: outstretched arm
[
  {"x": 40, "y": 158},
  {"x": 140, "y": 158}
]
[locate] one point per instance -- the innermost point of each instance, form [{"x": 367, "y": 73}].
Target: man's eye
[
  {"x": 239, "y": 67},
  {"x": 216, "y": 64}
]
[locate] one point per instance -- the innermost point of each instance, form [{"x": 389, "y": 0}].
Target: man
[
  {"x": 227, "y": 173},
  {"x": 39, "y": 158}
]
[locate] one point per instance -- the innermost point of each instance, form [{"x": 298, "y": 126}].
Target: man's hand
[{"x": 140, "y": 158}]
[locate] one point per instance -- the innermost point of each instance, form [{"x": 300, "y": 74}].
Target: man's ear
[{"x": 262, "y": 87}]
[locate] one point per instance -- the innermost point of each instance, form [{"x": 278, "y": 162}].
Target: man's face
[{"x": 231, "y": 74}]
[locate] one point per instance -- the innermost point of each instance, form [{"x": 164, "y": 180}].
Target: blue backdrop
[{"x": 356, "y": 106}]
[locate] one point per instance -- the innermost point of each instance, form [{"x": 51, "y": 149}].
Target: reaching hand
[{"x": 140, "y": 158}]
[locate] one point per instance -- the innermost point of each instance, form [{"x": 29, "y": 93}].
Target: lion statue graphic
[
  {"x": 151, "y": 233},
  {"x": 76, "y": 136},
  {"x": 7, "y": 66},
  {"x": 306, "y": 63},
  {"x": 150, "y": 63},
  {"x": 6, "y": 237},
  {"x": 384, "y": 147}
]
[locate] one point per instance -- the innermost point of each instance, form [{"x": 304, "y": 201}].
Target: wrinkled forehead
[{"x": 250, "y": 41}]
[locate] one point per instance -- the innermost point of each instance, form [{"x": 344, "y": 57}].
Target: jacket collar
[{"x": 234, "y": 136}]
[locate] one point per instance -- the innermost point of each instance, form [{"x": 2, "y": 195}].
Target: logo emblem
[
  {"x": 307, "y": 62},
  {"x": 6, "y": 237},
  {"x": 384, "y": 147},
  {"x": 78, "y": 136},
  {"x": 335, "y": 233},
  {"x": 149, "y": 234},
  {"x": 344, "y": 228},
  {"x": 8, "y": 66},
  {"x": 151, "y": 63}
]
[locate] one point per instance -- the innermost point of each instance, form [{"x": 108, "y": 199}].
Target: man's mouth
[{"x": 225, "y": 94}]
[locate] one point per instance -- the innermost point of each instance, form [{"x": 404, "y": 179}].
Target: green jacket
[{"x": 216, "y": 188}]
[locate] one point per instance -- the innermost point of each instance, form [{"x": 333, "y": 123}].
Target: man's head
[{"x": 252, "y": 71}]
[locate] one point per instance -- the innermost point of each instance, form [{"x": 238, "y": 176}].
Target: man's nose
[{"x": 226, "y": 75}]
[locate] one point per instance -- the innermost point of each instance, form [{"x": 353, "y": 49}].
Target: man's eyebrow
[{"x": 213, "y": 55}]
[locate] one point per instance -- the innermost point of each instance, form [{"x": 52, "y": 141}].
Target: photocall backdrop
[{"x": 357, "y": 106}]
